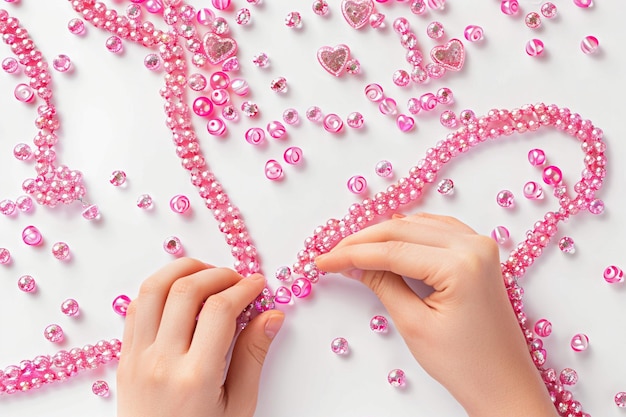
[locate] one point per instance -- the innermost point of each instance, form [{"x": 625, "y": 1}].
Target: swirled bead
[
  {"x": 216, "y": 127},
  {"x": 428, "y": 101},
  {"x": 533, "y": 191},
  {"x": 357, "y": 184},
  {"x": 387, "y": 106},
  {"x": 32, "y": 236},
  {"x": 293, "y": 155},
  {"x": 473, "y": 33},
  {"x": 276, "y": 129},
  {"x": 180, "y": 204},
  {"x": 120, "y": 304},
  {"x": 255, "y": 135},
  {"x": 509, "y": 7},
  {"x": 613, "y": 274},
  {"x": 500, "y": 234},
  {"x": 534, "y": 47},
  {"x": 543, "y": 328},
  {"x": 273, "y": 170},
  {"x": 301, "y": 288},
  {"x": 589, "y": 44},
  {"x": 332, "y": 123},
  {"x": 282, "y": 295}
]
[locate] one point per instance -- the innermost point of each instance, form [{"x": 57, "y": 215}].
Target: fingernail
[
  {"x": 354, "y": 274},
  {"x": 273, "y": 325},
  {"x": 398, "y": 216}
]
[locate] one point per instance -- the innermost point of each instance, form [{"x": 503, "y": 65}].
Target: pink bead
[
  {"x": 333, "y": 123},
  {"x": 61, "y": 250},
  {"x": 448, "y": 119},
  {"x": 22, "y": 152},
  {"x": 243, "y": 16},
  {"x": 114, "y": 44},
  {"x": 435, "y": 30},
  {"x": 255, "y": 135},
  {"x": 90, "y": 212},
  {"x": 355, "y": 120},
  {"x": 568, "y": 376},
  {"x": 202, "y": 106},
  {"x": 377, "y": 20},
  {"x": 418, "y": 7},
  {"x": 293, "y": 155},
  {"x": 261, "y": 60},
  {"x": 205, "y": 16},
  {"x": 172, "y": 245},
  {"x": 320, "y": 7},
  {"x": 384, "y": 169},
  {"x": 26, "y": 283},
  {"x": 473, "y": 33},
  {"x": 589, "y": 44},
  {"x": 144, "y": 201},
  {"x": 100, "y": 388},
  {"x": 566, "y": 245},
  {"x": 62, "y": 63},
  {"x": 7, "y": 207},
  {"x": 32, "y": 236},
  {"x": 282, "y": 295},
  {"x": 314, "y": 114},
  {"x": 220, "y": 96},
  {"x": 552, "y": 175},
  {"x": 276, "y": 129},
  {"x": 231, "y": 65},
  {"x": 401, "y": 26},
  {"x": 505, "y": 198},
  {"x": 467, "y": 117},
  {"x": 53, "y": 333},
  {"x": 293, "y": 20},
  {"x": 291, "y": 116},
  {"x": 414, "y": 106},
  {"x": 117, "y": 178},
  {"x": 10, "y": 65},
  {"x": 278, "y": 85},
  {"x": 533, "y": 191},
  {"x": 596, "y": 206},
  {"x": 379, "y": 324},
  {"x": 543, "y": 328},
  {"x": 533, "y": 20},
  {"x": 5, "y": 256},
  {"x": 357, "y": 184},
  {"x": 301, "y": 288},
  {"x": 216, "y": 127},
  {"x": 387, "y": 106},
  {"x": 250, "y": 109},
  {"x": 154, "y": 6},
  {"x": 219, "y": 80},
  {"x": 414, "y": 57},
  {"x": 283, "y": 274},
  {"x": 120, "y": 304},
  {"x": 229, "y": 112},
  {"x": 24, "y": 93},
  {"x": 396, "y": 378},
  {"x": 221, "y": 4},
  {"x": 405, "y": 123},
  {"x": 579, "y": 342},
  {"x": 428, "y": 101},
  {"x": 273, "y": 170},
  {"x": 70, "y": 307},
  {"x": 445, "y": 187},
  {"x": 536, "y": 157},
  {"x": 374, "y": 92},
  {"x": 548, "y": 10},
  {"x": 76, "y": 26},
  {"x": 534, "y": 47},
  {"x": 437, "y": 4},
  {"x": 509, "y": 7},
  {"x": 444, "y": 96},
  {"x": 180, "y": 204},
  {"x": 613, "y": 274},
  {"x": 500, "y": 234},
  {"x": 620, "y": 399},
  {"x": 583, "y": 3},
  {"x": 401, "y": 78},
  {"x": 339, "y": 345},
  {"x": 197, "y": 82}
]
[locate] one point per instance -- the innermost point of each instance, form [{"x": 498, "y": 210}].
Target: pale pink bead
[
  {"x": 509, "y": 7},
  {"x": 273, "y": 170},
  {"x": 533, "y": 191},
  {"x": 22, "y": 152},
  {"x": 379, "y": 324},
  {"x": 70, "y": 307},
  {"x": 180, "y": 204},
  {"x": 117, "y": 178},
  {"x": 387, "y": 106},
  {"x": 568, "y": 376},
  {"x": 229, "y": 112},
  {"x": 414, "y": 57},
  {"x": 282, "y": 295},
  {"x": 76, "y": 27},
  {"x": 53, "y": 333},
  {"x": 90, "y": 212},
  {"x": 409, "y": 40},
  {"x": 534, "y": 47},
  {"x": 133, "y": 11},
  {"x": 473, "y": 33},
  {"x": 448, "y": 119},
  {"x": 220, "y": 96},
  {"x": 374, "y": 92},
  {"x": 32, "y": 236},
  {"x": 301, "y": 288},
  {"x": 255, "y": 135},
  {"x": 500, "y": 234},
  {"x": 414, "y": 106},
  {"x": 100, "y": 388},
  {"x": 332, "y": 123},
  {"x": 428, "y": 101},
  {"x": 293, "y": 20},
  {"x": 357, "y": 184},
  {"x": 221, "y": 4},
  {"x": 61, "y": 250},
  {"x": 26, "y": 283},
  {"x": 250, "y": 109},
  {"x": 243, "y": 16},
  {"x": 62, "y": 63},
  {"x": 314, "y": 114},
  {"x": 543, "y": 328},
  {"x": 339, "y": 345},
  {"x": 579, "y": 342},
  {"x": 589, "y": 44},
  {"x": 613, "y": 274},
  {"x": 505, "y": 198},
  {"x": 377, "y": 20},
  {"x": 205, "y": 16},
  {"x": 401, "y": 78},
  {"x": 444, "y": 96},
  {"x": 154, "y": 6},
  {"x": 23, "y": 93},
  {"x": 5, "y": 256},
  {"x": 114, "y": 44},
  {"x": 467, "y": 117},
  {"x": 276, "y": 129},
  {"x": 384, "y": 168},
  {"x": 278, "y": 85},
  {"x": 445, "y": 187},
  {"x": 355, "y": 120},
  {"x": 437, "y": 4},
  {"x": 152, "y": 62},
  {"x": 283, "y": 273},
  {"x": 596, "y": 206},
  {"x": 231, "y": 65},
  {"x": 396, "y": 378},
  {"x": 548, "y": 10},
  {"x": 216, "y": 127},
  {"x": 144, "y": 201},
  {"x": 261, "y": 60},
  {"x": 620, "y": 399},
  {"x": 418, "y": 7},
  {"x": 291, "y": 116},
  {"x": 320, "y": 7},
  {"x": 533, "y": 20},
  {"x": 583, "y": 3},
  {"x": 405, "y": 123},
  {"x": 10, "y": 65},
  {"x": 566, "y": 245},
  {"x": 240, "y": 87},
  {"x": 197, "y": 82},
  {"x": 7, "y": 207},
  {"x": 552, "y": 175},
  {"x": 536, "y": 157},
  {"x": 435, "y": 30},
  {"x": 120, "y": 304},
  {"x": 293, "y": 155},
  {"x": 401, "y": 26},
  {"x": 172, "y": 245}
]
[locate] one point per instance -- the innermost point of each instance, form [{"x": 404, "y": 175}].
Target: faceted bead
[
  {"x": 620, "y": 399},
  {"x": 172, "y": 245},
  {"x": 26, "y": 283},
  {"x": 339, "y": 346},
  {"x": 76, "y": 26},
  {"x": 536, "y": 157},
  {"x": 548, "y": 10},
  {"x": 355, "y": 120},
  {"x": 8, "y": 207},
  {"x": 293, "y": 155},
  {"x": 435, "y": 30},
  {"x": 533, "y": 191},
  {"x": 61, "y": 250},
  {"x": 357, "y": 184},
  {"x": 249, "y": 108},
  {"x": 509, "y": 7},
  {"x": 533, "y": 20},
  {"x": 90, "y": 212},
  {"x": 283, "y": 273},
  {"x": 444, "y": 96},
  {"x": 301, "y": 288},
  {"x": 273, "y": 170},
  {"x": 10, "y": 65},
  {"x": 243, "y": 16},
  {"x": 293, "y": 20},
  {"x": 62, "y": 63},
  {"x": 566, "y": 245},
  {"x": 543, "y": 328},
  {"x": 589, "y": 45},
  {"x": 320, "y": 7},
  {"x": 314, "y": 114},
  {"x": 500, "y": 234},
  {"x": 568, "y": 376},
  {"x": 613, "y": 274},
  {"x": 596, "y": 207},
  {"x": 32, "y": 236},
  {"x": 579, "y": 342},
  {"x": 70, "y": 307},
  {"x": 401, "y": 78},
  {"x": 53, "y": 333},
  {"x": 448, "y": 119},
  {"x": 379, "y": 324},
  {"x": 279, "y": 85},
  {"x": 261, "y": 60},
  {"x": 265, "y": 301},
  {"x": 445, "y": 187},
  {"x": 291, "y": 116},
  {"x": 117, "y": 178},
  {"x": 396, "y": 378},
  {"x": 100, "y": 388},
  {"x": 231, "y": 65},
  {"x": 377, "y": 20},
  {"x": 144, "y": 201},
  {"x": 22, "y": 152},
  {"x": 282, "y": 295},
  {"x": 414, "y": 106},
  {"x": 467, "y": 116},
  {"x": 197, "y": 82},
  {"x": 114, "y": 44},
  {"x": 5, "y": 256},
  {"x": 505, "y": 198},
  {"x": 384, "y": 168},
  {"x": 120, "y": 304},
  {"x": 353, "y": 66}
]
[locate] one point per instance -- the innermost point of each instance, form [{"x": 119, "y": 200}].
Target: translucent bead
[
  {"x": 221, "y": 4},
  {"x": 579, "y": 342},
  {"x": 61, "y": 250},
  {"x": 261, "y": 60},
  {"x": 509, "y": 7},
  {"x": 154, "y": 6},
  {"x": 552, "y": 175},
  {"x": 219, "y": 80},
  {"x": 240, "y": 87},
  {"x": 414, "y": 106},
  {"x": 24, "y": 203},
  {"x": 197, "y": 82},
  {"x": 620, "y": 399},
  {"x": 357, "y": 184},
  {"x": 53, "y": 333},
  {"x": 566, "y": 245},
  {"x": 278, "y": 85},
  {"x": 76, "y": 27},
  {"x": 255, "y": 135},
  {"x": 444, "y": 96},
  {"x": 355, "y": 120},
  {"x": 7, "y": 207},
  {"x": 293, "y": 155},
  {"x": 374, "y": 92},
  {"x": 10, "y": 65},
  {"x": 320, "y": 7},
  {"x": 534, "y": 47},
  {"x": 548, "y": 10},
  {"x": 583, "y": 3},
  {"x": 543, "y": 328},
  {"x": 428, "y": 101},
  {"x": 377, "y": 20},
  {"x": 205, "y": 16},
  {"x": 276, "y": 129},
  {"x": 291, "y": 116},
  {"x": 282, "y": 295},
  {"x": 216, "y": 127},
  {"x": 180, "y": 204},
  {"x": 273, "y": 170},
  {"x": 100, "y": 388},
  {"x": 613, "y": 274},
  {"x": 473, "y": 33},
  {"x": 114, "y": 44},
  {"x": 314, "y": 114},
  {"x": 26, "y": 283},
  {"x": 144, "y": 201},
  {"x": 332, "y": 123},
  {"x": 536, "y": 157},
  {"x": 339, "y": 345},
  {"x": 533, "y": 20},
  {"x": 568, "y": 376},
  {"x": 70, "y": 307},
  {"x": 596, "y": 206},
  {"x": 117, "y": 178},
  {"x": 5, "y": 256},
  {"x": 293, "y": 20},
  {"x": 505, "y": 198},
  {"x": 202, "y": 106},
  {"x": 32, "y": 236},
  {"x": 120, "y": 304},
  {"x": 90, "y": 212},
  {"x": 387, "y": 106},
  {"x": 435, "y": 30},
  {"x": 589, "y": 45},
  {"x": 283, "y": 274},
  {"x": 418, "y": 7},
  {"x": 401, "y": 78},
  {"x": 533, "y": 191},
  {"x": 414, "y": 57},
  {"x": 231, "y": 65},
  {"x": 467, "y": 116},
  {"x": 249, "y": 108},
  {"x": 220, "y": 96},
  {"x": 437, "y": 4},
  {"x": 301, "y": 288},
  {"x": 384, "y": 168},
  {"x": 172, "y": 245},
  {"x": 152, "y": 62},
  {"x": 379, "y": 324},
  {"x": 500, "y": 234},
  {"x": 396, "y": 378},
  {"x": 243, "y": 16},
  {"x": 229, "y": 112},
  {"x": 448, "y": 119},
  {"x": 401, "y": 26},
  {"x": 445, "y": 187},
  {"x": 22, "y": 152},
  {"x": 23, "y": 93},
  {"x": 62, "y": 63}
]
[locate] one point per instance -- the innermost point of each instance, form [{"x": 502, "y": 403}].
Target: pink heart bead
[
  {"x": 357, "y": 12},
  {"x": 405, "y": 123},
  {"x": 282, "y": 295}
]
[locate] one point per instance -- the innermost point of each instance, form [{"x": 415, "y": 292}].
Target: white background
[{"x": 112, "y": 118}]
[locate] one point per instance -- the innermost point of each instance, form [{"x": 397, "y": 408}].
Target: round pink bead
[
  {"x": 293, "y": 20},
  {"x": 216, "y": 127},
  {"x": 5, "y": 256},
  {"x": 509, "y": 7},
  {"x": 10, "y": 65},
  {"x": 291, "y": 116},
  {"x": 114, "y": 44},
  {"x": 500, "y": 234},
  {"x": 620, "y": 399},
  {"x": 231, "y": 65},
  {"x": 24, "y": 203},
  {"x": 172, "y": 245},
  {"x": 505, "y": 198},
  {"x": 24, "y": 93},
  {"x": 437, "y": 4},
  {"x": 579, "y": 342},
  {"x": 552, "y": 175},
  {"x": 32, "y": 236},
  {"x": 566, "y": 245},
  {"x": 117, "y": 178},
  {"x": 255, "y": 135},
  {"x": 357, "y": 184},
  {"x": 533, "y": 191},
  {"x": 70, "y": 307},
  {"x": 448, "y": 119},
  {"x": 387, "y": 106},
  {"x": 534, "y": 47},
  {"x": 278, "y": 85},
  {"x": 414, "y": 106},
  {"x": 377, "y": 20},
  {"x": 220, "y": 96},
  {"x": 100, "y": 388},
  {"x": 418, "y": 7},
  {"x": 548, "y": 10},
  {"x": 314, "y": 114},
  {"x": 596, "y": 207},
  {"x": 613, "y": 274},
  {"x": 180, "y": 204},
  {"x": 90, "y": 212},
  {"x": 533, "y": 20},
  {"x": 445, "y": 187},
  {"x": 53, "y": 333},
  {"x": 144, "y": 201},
  {"x": 205, "y": 16},
  {"x": 320, "y": 7},
  {"x": 282, "y": 295},
  {"x": 76, "y": 26},
  {"x": 374, "y": 92},
  {"x": 401, "y": 78},
  {"x": 536, "y": 157},
  {"x": 435, "y": 30},
  {"x": 379, "y": 324},
  {"x": 154, "y": 6},
  {"x": 273, "y": 170},
  {"x": 568, "y": 376},
  {"x": 219, "y": 80},
  {"x": 583, "y": 3},
  {"x": 301, "y": 288},
  {"x": 428, "y": 101},
  {"x": 22, "y": 152},
  {"x": 543, "y": 328},
  {"x": 444, "y": 96},
  {"x": 62, "y": 63},
  {"x": 401, "y": 26},
  {"x": 26, "y": 283},
  {"x": 384, "y": 168},
  {"x": 355, "y": 120},
  {"x": 221, "y": 4},
  {"x": 7, "y": 207},
  {"x": 396, "y": 378},
  {"x": 283, "y": 273},
  {"x": 276, "y": 129},
  {"x": 61, "y": 250},
  {"x": 197, "y": 82},
  {"x": 339, "y": 345},
  {"x": 473, "y": 33},
  {"x": 333, "y": 123},
  {"x": 120, "y": 304},
  {"x": 293, "y": 155},
  {"x": 589, "y": 44},
  {"x": 202, "y": 106}
]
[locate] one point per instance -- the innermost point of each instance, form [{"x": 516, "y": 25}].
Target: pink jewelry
[
  {"x": 32, "y": 236},
  {"x": 5, "y": 256},
  {"x": 579, "y": 342},
  {"x": 445, "y": 187},
  {"x": 534, "y": 47},
  {"x": 357, "y": 12},
  {"x": 396, "y": 378},
  {"x": 339, "y": 346},
  {"x": 589, "y": 45},
  {"x": 334, "y": 59},
  {"x": 120, "y": 304},
  {"x": 379, "y": 324},
  {"x": 180, "y": 204},
  {"x": 61, "y": 250},
  {"x": 473, "y": 33},
  {"x": 613, "y": 274},
  {"x": 172, "y": 245},
  {"x": 54, "y": 333},
  {"x": 70, "y": 307},
  {"x": 566, "y": 245},
  {"x": 100, "y": 388},
  {"x": 357, "y": 184},
  {"x": 500, "y": 234},
  {"x": 26, "y": 283}
]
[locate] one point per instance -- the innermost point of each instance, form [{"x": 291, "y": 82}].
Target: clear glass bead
[
  {"x": 396, "y": 378},
  {"x": 379, "y": 324},
  {"x": 339, "y": 346}
]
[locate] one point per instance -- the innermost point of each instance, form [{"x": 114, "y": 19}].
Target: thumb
[{"x": 244, "y": 373}]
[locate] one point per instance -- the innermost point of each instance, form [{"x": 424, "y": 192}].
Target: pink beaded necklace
[{"x": 46, "y": 369}]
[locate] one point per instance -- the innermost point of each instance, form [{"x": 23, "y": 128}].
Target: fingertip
[{"x": 274, "y": 323}]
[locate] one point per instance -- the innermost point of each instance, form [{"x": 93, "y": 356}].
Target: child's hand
[
  {"x": 465, "y": 333},
  {"x": 175, "y": 365}
]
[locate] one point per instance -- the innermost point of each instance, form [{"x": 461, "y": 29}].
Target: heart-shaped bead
[
  {"x": 334, "y": 59},
  {"x": 451, "y": 56},
  {"x": 218, "y": 48},
  {"x": 405, "y": 123},
  {"x": 357, "y": 12}
]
